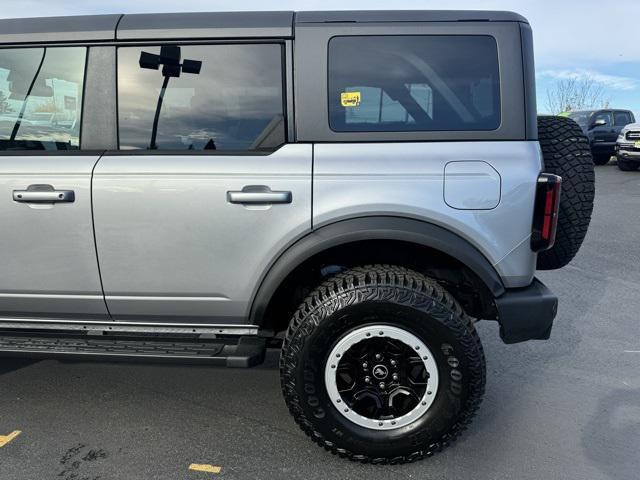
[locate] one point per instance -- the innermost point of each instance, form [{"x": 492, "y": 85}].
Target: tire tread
[
  {"x": 567, "y": 153},
  {"x": 389, "y": 283}
]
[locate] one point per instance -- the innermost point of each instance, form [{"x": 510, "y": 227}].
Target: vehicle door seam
[{"x": 95, "y": 240}]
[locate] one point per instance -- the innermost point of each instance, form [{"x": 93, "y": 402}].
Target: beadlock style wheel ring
[{"x": 381, "y": 377}]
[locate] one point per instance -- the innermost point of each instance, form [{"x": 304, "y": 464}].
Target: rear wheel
[
  {"x": 566, "y": 153},
  {"x": 381, "y": 365},
  {"x": 626, "y": 165}
]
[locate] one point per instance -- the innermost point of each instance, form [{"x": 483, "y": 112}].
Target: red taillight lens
[{"x": 545, "y": 212}]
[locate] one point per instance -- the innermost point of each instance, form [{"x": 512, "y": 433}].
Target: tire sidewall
[{"x": 446, "y": 345}]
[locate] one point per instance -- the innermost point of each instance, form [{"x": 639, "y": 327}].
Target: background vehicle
[
  {"x": 628, "y": 148},
  {"x": 190, "y": 213},
  {"x": 602, "y": 127}
]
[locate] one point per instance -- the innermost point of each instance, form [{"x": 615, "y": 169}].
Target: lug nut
[
  {"x": 365, "y": 365},
  {"x": 393, "y": 363},
  {"x": 367, "y": 379},
  {"x": 378, "y": 357},
  {"x": 395, "y": 377},
  {"x": 382, "y": 385}
]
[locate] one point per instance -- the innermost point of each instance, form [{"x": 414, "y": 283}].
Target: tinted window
[
  {"x": 621, "y": 118},
  {"x": 232, "y": 100},
  {"x": 606, "y": 116},
  {"x": 41, "y": 98},
  {"x": 581, "y": 118},
  {"x": 413, "y": 83}
]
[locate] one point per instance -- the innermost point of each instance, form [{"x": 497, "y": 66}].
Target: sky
[{"x": 572, "y": 38}]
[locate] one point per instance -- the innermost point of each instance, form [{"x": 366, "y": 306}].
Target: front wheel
[
  {"x": 380, "y": 364},
  {"x": 626, "y": 165}
]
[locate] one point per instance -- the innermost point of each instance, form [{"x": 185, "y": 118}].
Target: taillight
[{"x": 545, "y": 212}]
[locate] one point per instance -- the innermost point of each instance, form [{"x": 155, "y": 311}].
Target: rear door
[
  {"x": 621, "y": 118},
  {"x": 47, "y": 251},
  {"x": 204, "y": 191}
]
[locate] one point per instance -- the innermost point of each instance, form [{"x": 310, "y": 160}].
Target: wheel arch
[{"x": 400, "y": 233}]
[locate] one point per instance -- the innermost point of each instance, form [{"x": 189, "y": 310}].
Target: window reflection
[
  {"x": 234, "y": 103},
  {"x": 41, "y": 98}
]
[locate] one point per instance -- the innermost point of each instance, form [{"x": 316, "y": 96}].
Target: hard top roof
[{"x": 158, "y": 26}]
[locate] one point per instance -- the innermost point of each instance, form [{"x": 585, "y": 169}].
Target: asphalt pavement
[{"x": 568, "y": 408}]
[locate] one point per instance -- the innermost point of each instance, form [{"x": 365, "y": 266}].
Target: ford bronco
[{"x": 357, "y": 189}]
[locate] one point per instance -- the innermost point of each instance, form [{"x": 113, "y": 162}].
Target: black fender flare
[{"x": 372, "y": 228}]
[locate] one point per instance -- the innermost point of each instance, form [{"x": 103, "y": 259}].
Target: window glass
[
  {"x": 606, "y": 116},
  {"x": 581, "y": 118},
  {"x": 41, "y": 98},
  {"x": 201, "y": 97},
  {"x": 377, "y": 106},
  {"x": 621, "y": 118},
  {"x": 413, "y": 83}
]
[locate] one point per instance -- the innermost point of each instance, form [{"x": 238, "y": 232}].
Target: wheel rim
[{"x": 381, "y": 377}]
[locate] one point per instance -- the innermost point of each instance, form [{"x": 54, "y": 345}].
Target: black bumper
[
  {"x": 526, "y": 313},
  {"x": 602, "y": 148}
]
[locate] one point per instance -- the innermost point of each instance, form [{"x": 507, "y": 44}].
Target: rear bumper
[{"x": 526, "y": 313}]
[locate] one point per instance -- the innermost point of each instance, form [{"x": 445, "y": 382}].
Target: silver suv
[{"x": 355, "y": 188}]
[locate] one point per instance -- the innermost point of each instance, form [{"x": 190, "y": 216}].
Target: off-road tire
[
  {"x": 601, "y": 159},
  {"x": 566, "y": 153},
  {"x": 627, "y": 166},
  {"x": 398, "y": 297}
]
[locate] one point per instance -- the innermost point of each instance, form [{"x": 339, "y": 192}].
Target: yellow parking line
[
  {"x": 204, "y": 468},
  {"x": 6, "y": 439}
]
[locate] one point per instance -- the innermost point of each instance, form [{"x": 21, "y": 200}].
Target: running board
[
  {"x": 97, "y": 327},
  {"x": 229, "y": 352}
]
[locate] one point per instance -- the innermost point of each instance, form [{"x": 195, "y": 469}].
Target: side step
[{"x": 246, "y": 351}]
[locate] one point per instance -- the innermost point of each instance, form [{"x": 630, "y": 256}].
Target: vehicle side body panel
[
  {"x": 352, "y": 180},
  {"x": 47, "y": 251},
  {"x": 172, "y": 247}
]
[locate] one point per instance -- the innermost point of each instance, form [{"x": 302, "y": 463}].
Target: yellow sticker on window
[{"x": 350, "y": 99}]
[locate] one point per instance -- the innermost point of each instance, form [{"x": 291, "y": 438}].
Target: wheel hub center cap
[
  {"x": 381, "y": 377},
  {"x": 380, "y": 372}
]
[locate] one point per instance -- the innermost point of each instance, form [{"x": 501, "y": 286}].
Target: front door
[
  {"x": 204, "y": 192},
  {"x": 48, "y": 262},
  {"x": 604, "y": 133}
]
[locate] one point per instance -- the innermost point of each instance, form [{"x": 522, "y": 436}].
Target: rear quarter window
[{"x": 413, "y": 83}]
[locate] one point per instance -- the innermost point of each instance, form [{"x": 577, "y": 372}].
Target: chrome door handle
[
  {"x": 259, "y": 194},
  {"x": 43, "y": 194}
]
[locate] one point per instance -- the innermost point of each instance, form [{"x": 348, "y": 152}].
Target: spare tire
[{"x": 566, "y": 153}]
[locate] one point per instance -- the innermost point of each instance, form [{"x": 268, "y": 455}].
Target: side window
[
  {"x": 41, "y": 98},
  {"x": 201, "y": 97},
  {"x": 413, "y": 83},
  {"x": 621, "y": 118},
  {"x": 606, "y": 116}
]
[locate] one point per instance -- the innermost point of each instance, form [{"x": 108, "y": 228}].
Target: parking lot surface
[{"x": 568, "y": 408}]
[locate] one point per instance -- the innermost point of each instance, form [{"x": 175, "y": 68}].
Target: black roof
[
  {"x": 96, "y": 28},
  {"x": 370, "y": 16}
]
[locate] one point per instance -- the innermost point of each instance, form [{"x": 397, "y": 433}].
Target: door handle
[
  {"x": 43, "y": 194},
  {"x": 258, "y": 194}
]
